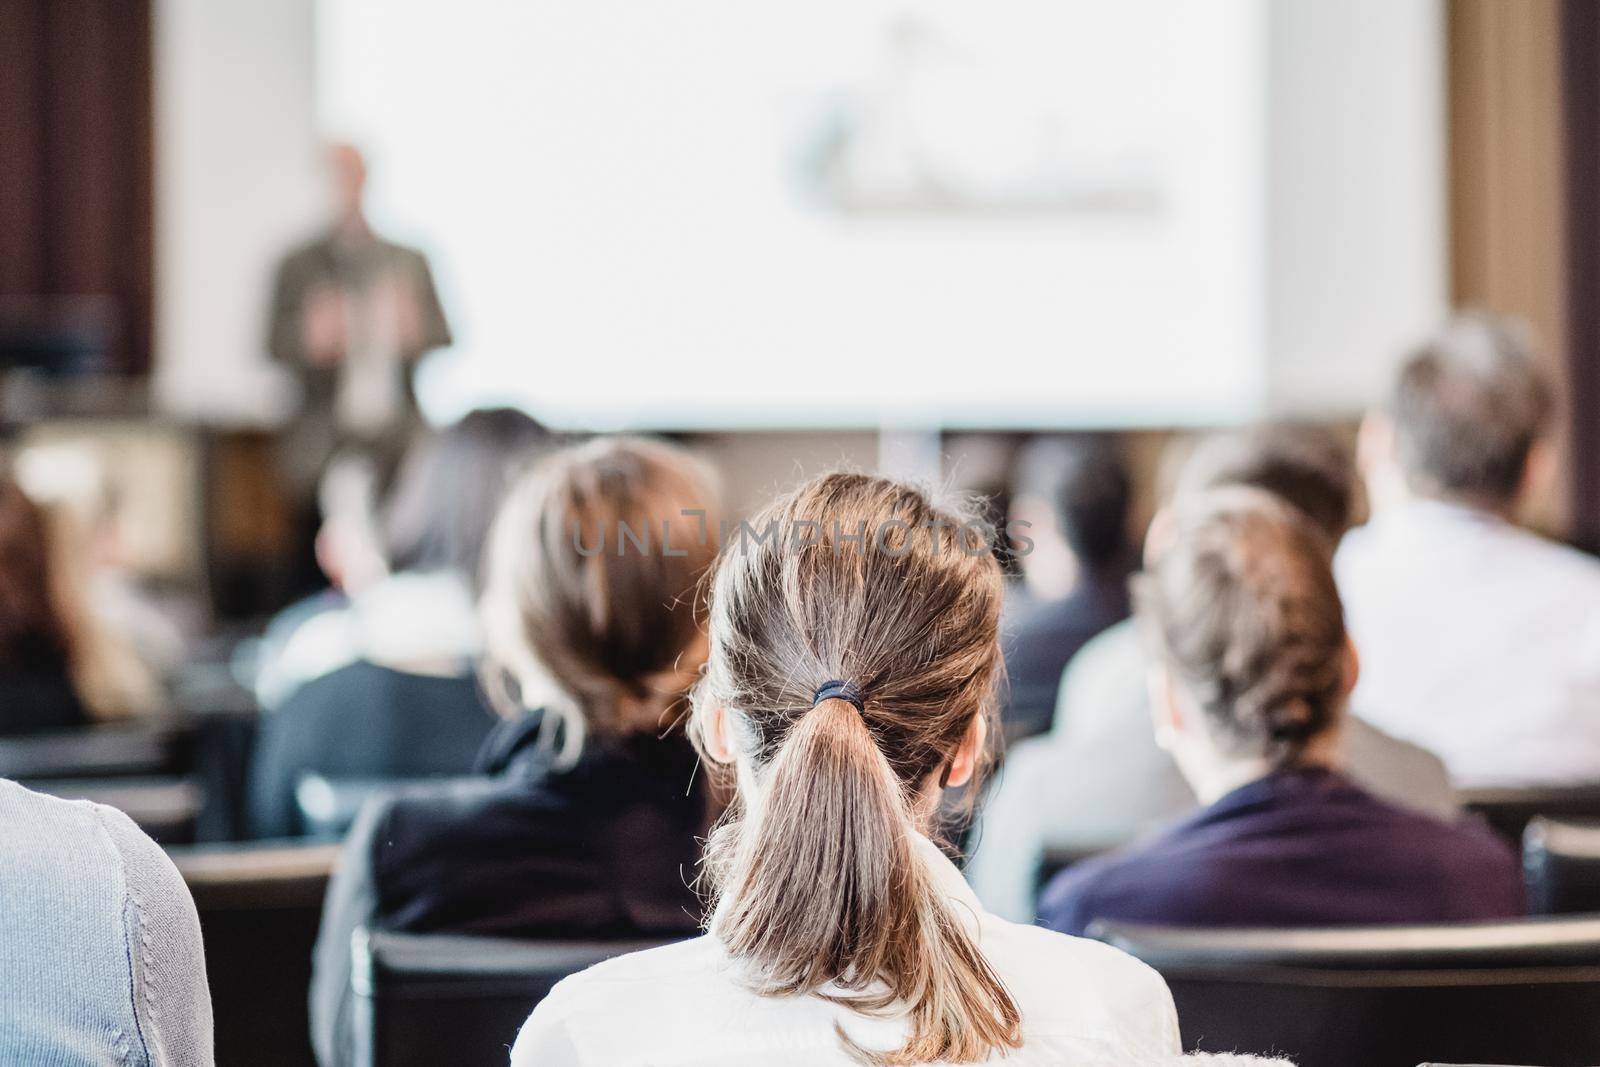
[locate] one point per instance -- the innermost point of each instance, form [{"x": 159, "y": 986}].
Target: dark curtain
[{"x": 76, "y": 166}]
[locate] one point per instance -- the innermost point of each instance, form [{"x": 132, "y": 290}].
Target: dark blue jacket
[
  {"x": 1301, "y": 847},
  {"x": 606, "y": 848},
  {"x": 1044, "y": 638}
]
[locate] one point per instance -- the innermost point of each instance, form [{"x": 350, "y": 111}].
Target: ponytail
[{"x": 821, "y": 882}]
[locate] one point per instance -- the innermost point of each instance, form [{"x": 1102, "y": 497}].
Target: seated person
[
  {"x": 1074, "y": 495},
  {"x": 400, "y": 697},
  {"x": 589, "y": 828},
  {"x": 1481, "y": 640},
  {"x": 848, "y": 684},
  {"x": 1252, "y": 668},
  {"x": 101, "y": 961},
  {"x": 38, "y": 646},
  {"x": 1100, "y": 780}
]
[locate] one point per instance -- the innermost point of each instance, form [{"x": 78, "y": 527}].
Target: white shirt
[
  {"x": 1082, "y": 1003},
  {"x": 1478, "y": 640}
]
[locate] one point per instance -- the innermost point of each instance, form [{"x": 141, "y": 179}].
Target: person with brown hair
[
  {"x": 1251, "y": 671},
  {"x": 37, "y": 643},
  {"x": 586, "y": 824},
  {"x": 851, "y": 678},
  {"x": 387, "y": 685}
]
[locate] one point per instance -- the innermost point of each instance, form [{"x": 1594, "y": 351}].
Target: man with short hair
[
  {"x": 1099, "y": 780},
  {"x": 1480, "y": 640}
]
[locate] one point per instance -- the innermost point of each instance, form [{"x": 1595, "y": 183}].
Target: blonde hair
[
  {"x": 593, "y": 564},
  {"x": 819, "y": 882}
]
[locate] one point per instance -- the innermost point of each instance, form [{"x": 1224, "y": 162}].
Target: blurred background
[{"x": 861, "y": 231}]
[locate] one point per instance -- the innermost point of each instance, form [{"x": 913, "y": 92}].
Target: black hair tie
[{"x": 837, "y": 690}]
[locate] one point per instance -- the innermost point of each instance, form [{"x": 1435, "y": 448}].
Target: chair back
[
  {"x": 260, "y": 906},
  {"x": 91, "y": 752},
  {"x": 1561, "y": 862},
  {"x": 166, "y": 808},
  {"x": 1516, "y": 992},
  {"x": 441, "y": 998},
  {"x": 328, "y": 806},
  {"x": 1508, "y": 811}
]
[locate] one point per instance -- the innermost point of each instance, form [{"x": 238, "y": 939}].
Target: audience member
[
  {"x": 1251, "y": 670},
  {"x": 38, "y": 688},
  {"x": 102, "y": 960},
  {"x": 1074, "y": 495},
  {"x": 400, "y": 698},
  {"x": 1100, "y": 780},
  {"x": 1480, "y": 640},
  {"x": 848, "y": 682},
  {"x": 589, "y": 827}
]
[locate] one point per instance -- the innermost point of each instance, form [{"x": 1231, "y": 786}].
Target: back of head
[
  {"x": 449, "y": 488},
  {"x": 33, "y": 635},
  {"x": 868, "y": 583},
  {"x": 1468, "y": 408},
  {"x": 1305, "y": 466},
  {"x": 593, "y": 566},
  {"x": 1242, "y": 608},
  {"x": 1086, "y": 483}
]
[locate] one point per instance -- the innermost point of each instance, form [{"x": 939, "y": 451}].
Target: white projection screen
[{"x": 735, "y": 214}]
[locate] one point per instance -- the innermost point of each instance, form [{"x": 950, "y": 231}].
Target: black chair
[
  {"x": 438, "y": 998},
  {"x": 1516, "y": 992},
  {"x": 260, "y": 905},
  {"x": 1508, "y": 811},
  {"x": 1561, "y": 863},
  {"x": 328, "y": 806},
  {"x": 111, "y": 751},
  {"x": 165, "y": 808},
  {"x": 1057, "y": 859}
]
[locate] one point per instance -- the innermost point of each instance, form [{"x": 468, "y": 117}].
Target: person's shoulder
[
  {"x": 1562, "y": 562},
  {"x": 150, "y": 878},
  {"x": 400, "y": 253},
  {"x": 681, "y": 968},
  {"x": 677, "y": 981},
  {"x": 1061, "y": 980},
  {"x": 311, "y": 250}
]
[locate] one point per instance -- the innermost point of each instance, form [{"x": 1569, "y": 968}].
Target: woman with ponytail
[{"x": 851, "y": 678}]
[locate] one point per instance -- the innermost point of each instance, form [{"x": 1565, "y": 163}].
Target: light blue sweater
[{"x": 100, "y": 953}]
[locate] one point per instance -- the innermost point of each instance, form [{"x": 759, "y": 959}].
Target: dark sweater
[
  {"x": 363, "y": 722},
  {"x": 39, "y": 701},
  {"x": 604, "y": 849},
  {"x": 1303, "y": 847},
  {"x": 1044, "y": 638}
]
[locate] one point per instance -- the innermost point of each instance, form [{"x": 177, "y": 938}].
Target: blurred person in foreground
[
  {"x": 102, "y": 960},
  {"x": 387, "y": 687},
  {"x": 1074, "y": 495},
  {"x": 1251, "y": 669},
  {"x": 1480, "y": 640},
  {"x": 587, "y": 825},
  {"x": 1099, "y": 780}
]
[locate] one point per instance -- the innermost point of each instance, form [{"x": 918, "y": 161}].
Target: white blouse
[{"x": 1082, "y": 1003}]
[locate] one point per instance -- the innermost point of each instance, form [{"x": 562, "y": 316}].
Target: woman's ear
[
  {"x": 714, "y": 734},
  {"x": 964, "y": 763}
]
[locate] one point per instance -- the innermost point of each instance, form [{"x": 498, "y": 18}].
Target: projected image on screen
[{"x": 846, "y": 212}]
